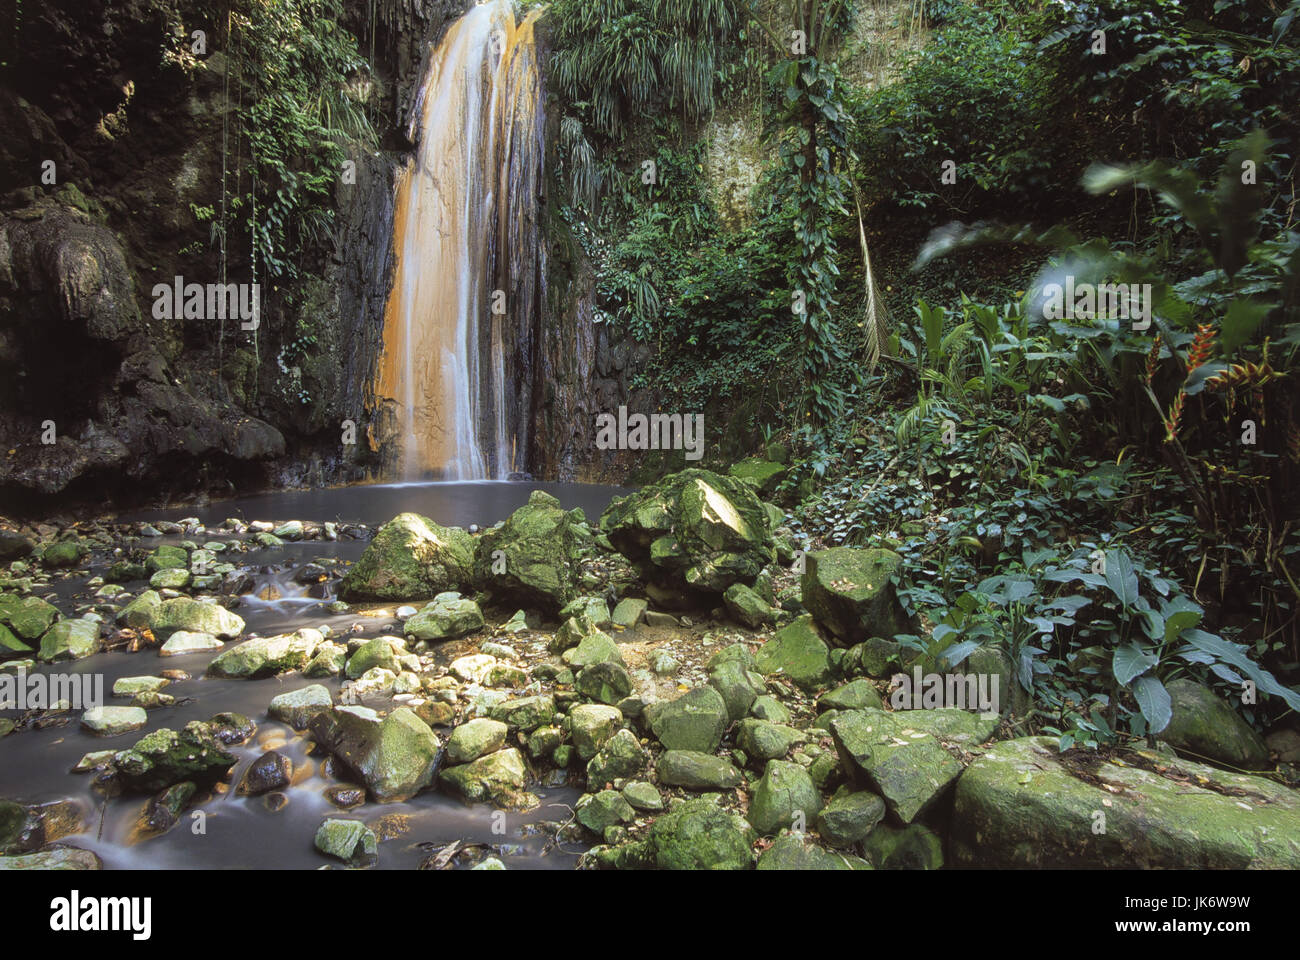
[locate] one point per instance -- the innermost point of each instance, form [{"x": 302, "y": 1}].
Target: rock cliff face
[{"x": 111, "y": 145}]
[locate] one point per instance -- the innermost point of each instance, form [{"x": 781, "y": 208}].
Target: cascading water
[{"x": 454, "y": 363}]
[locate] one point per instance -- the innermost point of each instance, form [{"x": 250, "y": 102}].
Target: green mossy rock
[
  {"x": 904, "y": 764},
  {"x": 792, "y": 851},
  {"x": 525, "y": 714},
  {"x": 607, "y": 682},
  {"x": 267, "y": 656},
  {"x": 694, "y": 721},
  {"x": 692, "y": 533},
  {"x": 621, "y": 757},
  {"x": 167, "y": 557},
  {"x": 739, "y": 687},
  {"x": 396, "y": 756},
  {"x": 69, "y": 553},
  {"x": 747, "y": 608},
  {"x": 914, "y": 847},
  {"x": 699, "y": 835},
  {"x": 445, "y": 619},
  {"x": 697, "y": 771},
  {"x": 849, "y": 817},
  {"x": 139, "y": 614},
  {"x": 496, "y": 778},
  {"x": 165, "y": 757},
  {"x": 762, "y": 475},
  {"x": 591, "y": 725},
  {"x": 411, "y": 558},
  {"x": 27, "y": 617},
  {"x": 1205, "y": 724},
  {"x": 376, "y": 652},
  {"x": 195, "y": 616},
  {"x": 849, "y": 592},
  {"x": 785, "y": 797},
  {"x": 604, "y": 809},
  {"x": 298, "y": 707},
  {"x": 855, "y": 695},
  {"x": 1018, "y": 806},
  {"x": 474, "y": 739},
  {"x": 798, "y": 651},
  {"x": 763, "y": 741},
  {"x": 348, "y": 840},
  {"x": 538, "y": 546},
  {"x": 70, "y": 640}
]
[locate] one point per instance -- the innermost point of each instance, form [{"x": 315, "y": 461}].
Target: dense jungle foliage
[{"x": 1111, "y": 505}]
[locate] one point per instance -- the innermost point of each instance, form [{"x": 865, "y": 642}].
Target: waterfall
[{"x": 468, "y": 271}]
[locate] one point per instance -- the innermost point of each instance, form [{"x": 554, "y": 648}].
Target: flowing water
[
  {"x": 247, "y": 832},
  {"x": 468, "y": 267}
]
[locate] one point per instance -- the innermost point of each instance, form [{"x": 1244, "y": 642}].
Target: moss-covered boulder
[
  {"x": 1019, "y": 805},
  {"x": 914, "y": 847},
  {"x": 591, "y": 725},
  {"x": 375, "y": 652},
  {"x": 747, "y": 608},
  {"x": 739, "y": 686},
  {"x": 496, "y": 778},
  {"x": 411, "y": 558},
  {"x": 70, "y": 640},
  {"x": 297, "y": 707},
  {"x": 67, "y": 553},
  {"x": 621, "y": 757},
  {"x": 531, "y": 559},
  {"x": 348, "y": 840},
  {"x": 906, "y": 765},
  {"x": 785, "y": 797},
  {"x": 763, "y": 741},
  {"x": 694, "y": 721},
  {"x": 699, "y": 835},
  {"x": 1205, "y": 724},
  {"x": 166, "y": 757},
  {"x": 849, "y": 592},
  {"x": 195, "y": 616},
  {"x": 267, "y": 656},
  {"x": 139, "y": 614},
  {"x": 798, "y": 651},
  {"x": 850, "y": 816},
  {"x": 476, "y": 738},
  {"x": 697, "y": 771},
  {"x": 762, "y": 475},
  {"x": 27, "y": 617},
  {"x": 446, "y": 618},
  {"x": 395, "y": 756},
  {"x": 694, "y": 533},
  {"x": 793, "y": 851}
]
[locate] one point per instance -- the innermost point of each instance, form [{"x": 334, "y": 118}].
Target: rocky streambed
[{"x": 670, "y": 685}]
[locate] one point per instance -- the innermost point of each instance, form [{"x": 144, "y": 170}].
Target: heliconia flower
[
  {"x": 1153, "y": 359},
  {"x": 1202, "y": 347},
  {"x": 1174, "y": 420}
]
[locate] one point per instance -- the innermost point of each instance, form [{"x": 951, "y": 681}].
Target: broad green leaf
[
  {"x": 1130, "y": 661},
  {"x": 1153, "y": 700},
  {"x": 1121, "y": 577}
]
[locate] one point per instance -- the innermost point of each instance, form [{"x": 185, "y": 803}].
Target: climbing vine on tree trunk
[{"x": 808, "y": 120}]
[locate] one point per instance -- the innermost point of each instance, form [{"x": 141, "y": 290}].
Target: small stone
[
  {"x": 113, "y": 721},
  {"x": 348, "y": 840},
  {"x": 474, "y": 739}
]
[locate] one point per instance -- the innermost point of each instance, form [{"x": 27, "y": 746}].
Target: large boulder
[
  {"x": 445, "y": 619},
  {"x": 1019, "y": 805},
  {"x": 699, "y": 835},
  {"x": 785, "y": 797},
  {"x": 395, "y": 756},
  {"x": 267, "y": 656},
  {"x": 797, "y": 651},
  {"x": 27, "y": 617},
  {"x": 531, "y": 559},
  {"x": 694, "y": 533},
  {"x": 697, "y": 771},
  {"x": 694, "y": 721},
  {"x": 850, "y": 593},
  {"x": 1205, "y": 724},
  {"x": 496, "y": 778},
  {"x": 165, "y": 757},
  {"x": 195, "y": 616},
  {"x": 892, "y": 754},
  {"x": 70, "y": 640},
  {"x": 411, "y": 558}
]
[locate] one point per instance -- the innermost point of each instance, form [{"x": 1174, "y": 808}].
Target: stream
[{"x": 265, "y": 832}]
